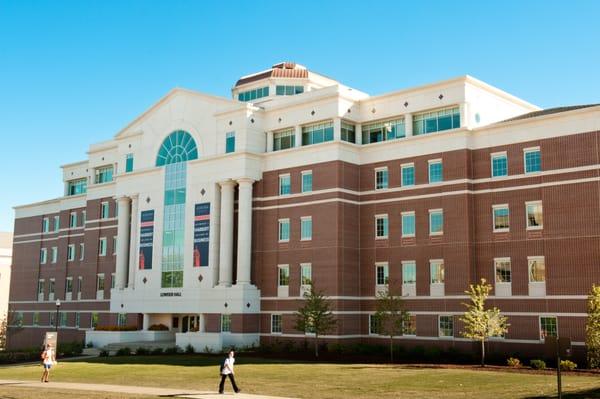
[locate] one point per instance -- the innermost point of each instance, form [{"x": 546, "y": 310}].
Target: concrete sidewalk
[{"x": 164, "y": 392}]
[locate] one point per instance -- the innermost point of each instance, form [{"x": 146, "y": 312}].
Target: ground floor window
[
  {"x": 276, "y": 324},
  {"x": 225, "y": 323},
  {"x": 446, "y": 326},
  {"x": 548, "y": 327}
]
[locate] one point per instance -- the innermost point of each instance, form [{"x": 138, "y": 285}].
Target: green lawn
[{"x": 312, "y": 380}]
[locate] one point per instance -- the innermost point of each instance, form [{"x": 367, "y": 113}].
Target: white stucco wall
[{"x": 5, "y": 263}]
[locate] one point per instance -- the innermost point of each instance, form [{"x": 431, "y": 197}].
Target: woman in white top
[
  {"x": 227, "y": 371},
  {"x": 48, "y": 360}
]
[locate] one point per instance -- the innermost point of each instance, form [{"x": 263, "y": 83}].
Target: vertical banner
[
  {"x": 146, "y": 239},
  {"x": 201, "y": 233}
]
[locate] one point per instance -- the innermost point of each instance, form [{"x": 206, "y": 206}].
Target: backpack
[{"x": 222, "y": 366}]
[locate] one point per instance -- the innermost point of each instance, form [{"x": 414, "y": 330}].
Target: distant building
[{"x": 6, "y": 243}]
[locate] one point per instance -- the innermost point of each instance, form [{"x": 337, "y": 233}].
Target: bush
[
  {"x": 513, "y": 362},
  {"x": 567, "y": 365},
  {"x": 116, "y": 328},
  {"x": 537, "y": 364},
  {"x": 174, "y": 350},
  {"x": 70, "y": 348},
  {"x": 157, "y": 351},
  {"x": 103, "y": 353},
  {"x": 141, "y": 351},
  {"x": 189, "y": 349},
  {"x": 158, "y": 327},
  {"x": 124, "y": 352}
]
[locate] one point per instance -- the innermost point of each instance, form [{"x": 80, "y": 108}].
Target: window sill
[
  {"x": 436, "y": 234},
  {"x": 535, "y": 228},
  {"x": 408, "y": 236},
  {"x": 381, "y": 238},
  {"x": 501, "y": 230}
]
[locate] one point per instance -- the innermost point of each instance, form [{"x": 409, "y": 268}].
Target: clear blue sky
[{"x": 74, "y": 72}]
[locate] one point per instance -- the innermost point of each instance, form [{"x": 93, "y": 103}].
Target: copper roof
[{"x": 280, "y": 70}]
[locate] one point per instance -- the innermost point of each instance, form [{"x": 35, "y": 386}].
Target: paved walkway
[{"x": 164, "y": 392}]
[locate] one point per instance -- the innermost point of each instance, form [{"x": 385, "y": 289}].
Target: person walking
[
  {"x": 227, "y": 371},
  {"x": 48, "y": 360}
]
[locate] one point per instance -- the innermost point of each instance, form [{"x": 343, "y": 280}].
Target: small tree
[
  {"x": 481, "y": 323},
  {"x": 390, "y": 316},
  {"x": 592, "y": 328},
  {"x": 315, "y": 316},
  {"x": 3, "y": 328}
]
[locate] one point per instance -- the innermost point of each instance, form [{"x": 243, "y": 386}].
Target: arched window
[{"x": 179, "y": 146}]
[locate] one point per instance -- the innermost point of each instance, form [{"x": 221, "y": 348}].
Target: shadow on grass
[
  {"x": 185, "y": 360},
  {"x": 586, "y": 394}
]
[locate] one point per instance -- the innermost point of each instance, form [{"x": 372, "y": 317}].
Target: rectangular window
[
  {"x": 276, "y": 324},
  {"x": 104, "y": 210},
  {"x": 254, "y": 94},
  {"x": 56, "y": 223},
  {"x": 51, "y": 287},
  {"x": 284, "y": 139},
  {"x": 43, "y": 256},
  {"x": 45, "y": 225},
  {"x": 77, "y": 319},
  {"x": 408, "y": 174},
  {"x": 383, "y": 131},
  {"x": 128, "y": 163},
  {"x": 436, "y": 222},
  {"x": 317, "y": 133},
  {"x": 381, "y": 226},
  {"x": 285, "y": 185},
  {"x": 51, "y": 318},
  {"x": 382, "y": 274},
  {"x": 348, "y": 132},
  {"x": 114, "y": 245},
  {"x": 436, "y": 271},
  {"x": 229, "y": 142},
  {"x": 381, "y": 178},
  {"x": 73, "y": 220},
  {"x": 113, "y": 281},
  {"x": 409, "y": 272},
  {"x": 306, "y": 228},
  {"x": 122, "y": 319},
  {"x": 436, "y": 172},
  {"x": 94, "y": 320},
  {"x": 307, "y": 181},
  {"x": 532, "y": 159},
  {"x": 548, "y": 327},
  {"x": 100, "y": 282},
  {"x": 373, "y": 324},
  {"x": 305, "y": 274},
  {"x": 54, "y": 255},
  {"x": 410, "y": 325},
  {"x": 69, "y": 285},
  {"x": 36, "y": 318},
  {"x": 284, "y": 230},
  {"x": 501, "y": 218},
  {"x": 104, "y": 174},
  {"x": 503, "y": 270},
  {"x": 81, "y": 251},
  {"x": 446, "y": 326},
  {"x": 63, "y": 319},
  {"x": 288, "y": 90},
  {"x": 436, "y": 121},
  {"x": 71, "y": 252},
  {"x": 408, "y": 224},
  {"x": 79, "y": 286},
  {"x": 537, "y": 269},
  {"x": 225, "y": 323},
  {"x": 284, "y": 276},
  {"x": 102, "y": 246},
  {"x": 535, "y": 215},
  {"x": 40, "y": 289},
  {"x": 499, "y": 164},
  {"x": 76, "y": 187}
]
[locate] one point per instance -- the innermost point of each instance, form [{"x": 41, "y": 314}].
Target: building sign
[
  {"x": 146, "y": 239},
  {"x": 201, "y": 234},
  {"x": 51, "y": 338}
]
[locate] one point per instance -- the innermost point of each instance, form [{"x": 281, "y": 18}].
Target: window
[
  {"x": 284, "y": 139},
  {"x": 36, "y": 318},
  {"x": 51, "y": 287},
  {"x": 284, "y": 276},
  {"x": 548, "y": 327},
  {"x": 51, "y": 318},
  {"x": 56, "y": 223},
  {"x": 532, "y": 159},
  {"x": 79, "y": 286},
  {"x": 408, "y": 174},
  {"x": 77, "y": 319},
  {"x": 102, "y": 246},
  {"x": 40, "y": 289},
  {"x": 18, "y": 319},
  {"x": 113, "y": 281},
  {"x": 436, "y": 222},
  {"x": 409, "y": 272},
  {"x": 501, "y": 217},
  {"x": 383, "y": 131},
  {"x": 535, "y": 215},
  {"x": 43, "y": 255},
  {"x": 69, "y": 285},
  {"x": 436, "y": 121},
  {"x": 437, "y": 271},
  {"x": 410, "y": 325},
  {"x": 317, "y": 133},
  {"x": 306, "y": 228},
  {"x": 285, "y": 185},
  {"x": 307, "y": 181},
  {"x": 62, "y": 317},
  {"x": 45, "y": 225},
  {"x": 381, "y": 178},
  {"x": 71, "y": 252},
  {"x": 73, "y": 220},
  {"x": 537, "y": 269},
  {"x": 436, "y": 173},
  {"x": 114, "y": 245},
  {"x": 502, "y": 269},
  {"x": 381, "y": 274},
  {"x": 348, "y": 132},
  {"x": 104, "y": 210},
  {"x": 499, "y": 164},
  {"x": 254, "y": 94},
  {"x": 225, "y": 323},
  {"x": 81, "y": 251},
  {"x": 104, "y": 174},
  {"x": 122, "y": 319},
  {"x": 381, "y": 226},
  {"x": 446, "y": 326},
  {"x": 94, "y": 320},
  {"x": 76, "y": 187},
  {"x": 408, "y": 224},
  {"x": 373, "y": 324},
  {"x": 286, "y": 90},
  {"x": 284, "y": 230},
  {"x": 276, "y": 324},
  {"x": 54, "y": 255},
  {"x": 305, "y": 274},
  {"x": 230, "y": 142},
  {"x": 100, "y": 282},
  {"x": 128, "y": 163}
]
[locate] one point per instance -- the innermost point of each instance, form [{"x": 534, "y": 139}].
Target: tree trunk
[
  {"x": 483, "y": 353},
  {"x": 391, "y": 349},
  {"x": 316, "y": 345}
]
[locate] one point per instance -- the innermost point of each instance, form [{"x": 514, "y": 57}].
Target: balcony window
[
  {"x": 317, "y": 133},
  {"x": 76, "y": 187},
  {"x": 348, "y": 132},
  {"x": 430, "y": 122},
  {"x": 230, "y": 142},
  {"x": 382, "y": 131},
  {"x": 104, "y": 174}
]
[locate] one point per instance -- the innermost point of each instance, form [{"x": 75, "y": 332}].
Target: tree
[
  {"x": 481, "y": 323},
  {"x": 315, "y": 316},
  {"x": 391, "y": 317},
  {"x": 592, "y": 328},
  {"x": 3, "y": 328}
]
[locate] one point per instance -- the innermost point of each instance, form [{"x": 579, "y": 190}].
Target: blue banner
[
  {"x": 201, "y": 234},
  {"x": 146, "y": 239}
]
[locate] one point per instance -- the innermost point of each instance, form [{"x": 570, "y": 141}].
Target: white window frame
[
  {"x": 68, "y": 295},
  {"x": 103, "y": 205},
  {"x": 386, "y": 273},
  {"x": 302, "y": 174},
  {"x": 43, "y": 256},
  {"x": 406, "y": 166},
  {"x": 81, "y": 251},
  {"x": 42, "y": 285},
  {"x": 383, "y": 216},
  {"x": 305, "y": 287},
  {"x": 53, "y": 255},
  {"x": 494, "y": 155},
  {"x": 435, "y": 211},
  {"x": 72, "y": 220},
  {"x": 535, "y": 259},
  {"x": 409, "y": 289},
  {"x": 542, "y": 338},
  {"x": 283, "y": 290},
  {"x": 528, "y": 227},
  {"x": 527, "y": 150},
  {"x": 371, "y": 318},
  {"x": 289, "y": 178},
  {"x": 280, "y": 323},
  {"x": 56, "y": 223},
  {"x": 79, "y": 287},
  {"x": 502, "y": 288},
  {"x": 46, "y": 225},
  {"x": 387, "y": 183},
  {"x": 71, "y": 252},
  {"x": 51, "y": 293},
  {"x": 102, "y": 244},
  {"x": 408, "y": 213},
  {"x": 502, "y": 229},
  {"x": 100, "y": 292},
  {"x": 304, "y": 219},
  {"x": 536, "y": 288},
  {"x": 429, "y": 163},
  {"x": 228, "y": 317},
  {"x": 77, "y": 319},
  {"x": 440, "y": 326},
  {"x": 280, "y": 224}
]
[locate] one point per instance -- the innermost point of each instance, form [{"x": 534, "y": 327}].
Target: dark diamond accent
[
  {"x": 441, "y": 96},
  {"x": 226, "y": 304},
  {"x": 145, "y": 280},
  {"x": 312, "y": 112},
  {"x": 248, "y": 305},
  {"x": 200, "y": 277},
  {"x": 230, "y": 123},
  {"x": 103, "y": 158},
  {"x": 252, "y": 120},
  {"x": 373, "y": 110},
  {"x": 406, "y": 103},
  {"x": 147, "y": 200},
  {"x": 203, "y": 191},
  {"x": 349, "y": 111},
  {"x": 122, "y": 306},
  {"x": 279, "y": 120}
]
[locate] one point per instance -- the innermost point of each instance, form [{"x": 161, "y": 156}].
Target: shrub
[
  {"x": 124, "y": 352},
  {"x": 567, "y": 365},
  {"x": 141, "y": 351},
  {"x": 116, "y": 328},
  {"x": 207, "y": 349},
  {"x": 189, "y": 349},
  {"x": 173, "y": 350},
  {"x": 513, "y": 362},
  {"x": 103, "y": 353},
  {"x": 537, "y": 364},
  {"x": 157, "y": 351},
  {"x": 70, "y": 348},
  {"x": 158, "y": 327},
  {"x": 432, "y": 353},
  {"x": 90, "y": 345}
]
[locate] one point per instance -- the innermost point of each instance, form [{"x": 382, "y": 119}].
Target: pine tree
[
  {"x": 481, "y": 323},
  {"x": 390, "y": 316},
  {"x": 592, "y": 328},
  {"x": 315, "y": 316}
]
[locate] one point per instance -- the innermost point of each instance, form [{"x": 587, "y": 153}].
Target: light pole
[{"x": 57, "y": 309}]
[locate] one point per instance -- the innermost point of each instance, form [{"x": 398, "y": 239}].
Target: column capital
[
  {"x": 122, "y": 198},
  {"x": 227, "y": 183},
  {"x": 245, "y": 181}
]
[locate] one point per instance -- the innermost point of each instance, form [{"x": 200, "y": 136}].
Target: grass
[
  {"x": 12, "y": 392},
  {"x": 312, "y": 380}
]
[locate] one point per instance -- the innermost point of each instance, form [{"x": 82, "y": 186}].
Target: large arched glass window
[{"x": 179, "y": 146}]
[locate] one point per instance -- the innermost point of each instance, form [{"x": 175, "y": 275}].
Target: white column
[
  {"x": 337, "y": 129},
  {"x": 244, "y": 253},
  {"x": 215, "y": 233},
  {"x": 269, "y": 141},
  {"x": 226, "y": 239},
  {"x": 408, "y": 125},
  {"x": 146, "y": 322},
  {"x": 122, "y": 242},
  {"x": 298, "y": 134},
  {"x": 133, "y": 241},
  {"x": 358, "y": 133},
  {"x": 464, "y": 115}
]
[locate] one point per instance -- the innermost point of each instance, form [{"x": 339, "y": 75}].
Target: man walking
[{"x": 227, "y": 371}]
